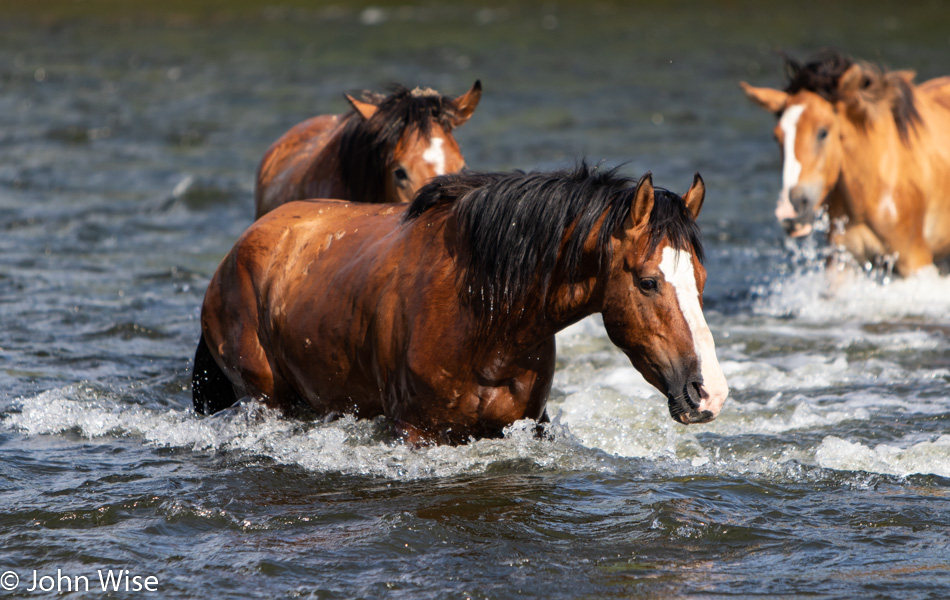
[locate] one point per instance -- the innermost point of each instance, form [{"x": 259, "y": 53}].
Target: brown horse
[
  {"x": 383, "y": 150},
  {"x": 872, "y": 146},
  {"x": 442, "y": 314}
]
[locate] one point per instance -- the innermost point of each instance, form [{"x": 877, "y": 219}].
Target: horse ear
[
  {"x": 770, "y": 99},
  {"x": 365, "y": 109},
  {"x": 853, "y": 80},
  {"x": 695, "y": 196},
  {"x": 465, "y": 104},
  {"x": 855, "y": 87},
  {"x": 642, "y": 204}
]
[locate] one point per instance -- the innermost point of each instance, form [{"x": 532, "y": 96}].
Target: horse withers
[
  {"x": 441, "y": 315},
  {"x": 872, "y": 147},
  {"x": 383, "y": 150}
]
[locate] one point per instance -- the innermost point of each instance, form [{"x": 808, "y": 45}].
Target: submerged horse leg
[
  {"x": 860, "y": 242},
  {"x": 211, "y": 390},
  {"x": 866, "y": 247}
]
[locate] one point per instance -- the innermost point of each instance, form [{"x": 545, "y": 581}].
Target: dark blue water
[{"x": 128, "y": 143}]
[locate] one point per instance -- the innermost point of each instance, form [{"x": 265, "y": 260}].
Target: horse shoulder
[{"x": 473, "y": 391}]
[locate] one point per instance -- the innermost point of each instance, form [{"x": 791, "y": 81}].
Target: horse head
[
  {"x": 653, "y": 301},
  {"x": 423, "y": 146},
  {"x": 823, "y": 100}
]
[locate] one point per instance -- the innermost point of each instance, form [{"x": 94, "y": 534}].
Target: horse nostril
[
  {"x": 700, "y": 390},
  {"x": 693, "y": 394},
  {"x": 800, "y": 201}
]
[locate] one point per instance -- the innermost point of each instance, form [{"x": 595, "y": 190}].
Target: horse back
[
  {"x": 934, "y": 151},
  {"x": 935, "y": 96},
  {"x": 938, "y": 87},
  {"x": 302, "y": 157}
]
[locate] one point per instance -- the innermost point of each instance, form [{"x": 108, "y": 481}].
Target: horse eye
[
  {"x": 822, "y": 134},
  {"x": 400, "y": 174},
  {"x": 648, "y": 285}
]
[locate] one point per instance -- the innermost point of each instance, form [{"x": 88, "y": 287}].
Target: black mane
[
  {"x": 822, "y": 73},
  {"x": 512, "y": 226},
  {"x": 367, "y": 145}
]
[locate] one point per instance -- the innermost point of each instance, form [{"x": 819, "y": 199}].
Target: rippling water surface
[{"x": 128, "y": 144}]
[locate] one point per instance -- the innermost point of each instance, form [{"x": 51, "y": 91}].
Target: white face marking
[
  {"x": 887, "y": 208},
  {"x": 435, "y": 156},
  {"x": 792, "y": 169},
  {"x": 677, "y": 268}
]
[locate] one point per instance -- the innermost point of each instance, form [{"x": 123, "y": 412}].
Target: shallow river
[{"x": 128, "y": 144}]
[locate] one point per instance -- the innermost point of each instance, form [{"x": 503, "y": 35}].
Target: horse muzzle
[
  {"x": 687, "y": 404},
  {"x": 796, "y": 209}
]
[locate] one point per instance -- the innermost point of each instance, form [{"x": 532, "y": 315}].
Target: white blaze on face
[
  {"x": 792, "y": 169},
  {"x": 435, "y": 156},
  {"x": 677, "y": 268},
  {"x": 886, "y": 208}
]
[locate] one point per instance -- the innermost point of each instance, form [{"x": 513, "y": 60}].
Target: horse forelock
[
  {"x": 520, "y": 234},
  {"x": 819, "y": 75},
  {"x": 421, "y": 92},
  {"x": 822, "y": 74},
  {"x": 671, "y": 221},
  {"x": 367, "y": 145}
]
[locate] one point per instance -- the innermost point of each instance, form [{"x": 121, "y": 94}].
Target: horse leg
[
  {"x": 211, "y": 390},
  {"x": 229, "y": 334},
  {"x": 860, "y": 241},
  {"x": 915, "y": 259},
  {"x": 541, "y": 429}
]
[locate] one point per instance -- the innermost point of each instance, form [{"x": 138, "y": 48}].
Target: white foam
[
  {"x": 343, "y": 446},
  {"x": 923, "y": 457},
  {"x": 608, "y": 419},
  {"x": 604, "y": 414},
  {"x": 820, "y": 296}
]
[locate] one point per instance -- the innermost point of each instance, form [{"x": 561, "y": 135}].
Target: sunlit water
[{"x": 127, "y": 151}]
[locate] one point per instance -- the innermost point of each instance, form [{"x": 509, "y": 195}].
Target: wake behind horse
[
  {"x": 874, "y": 148},
  {"x": 383, "y": 150},
  {"x": 441, "y": 315}
]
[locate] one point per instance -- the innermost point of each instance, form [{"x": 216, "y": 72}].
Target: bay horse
[
  {"x": 442, "y": 314},
  {"x": 383, "y": 150},
  {"x": 874, "y": 148}
]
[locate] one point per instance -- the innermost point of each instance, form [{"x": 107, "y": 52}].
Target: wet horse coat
[
  {"x": 383, "y": 150},
  {"x": 872, "y": 146},
  {"x": 442, "y": 315}
]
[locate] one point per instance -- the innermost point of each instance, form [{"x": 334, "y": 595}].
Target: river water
[{"x": 128, "y": 144}]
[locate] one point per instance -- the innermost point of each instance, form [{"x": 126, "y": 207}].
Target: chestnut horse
[
  {"x": 383, "y": 150},
  {"x": 442, "y": 315},
  {"x": 874, "y": 148}
]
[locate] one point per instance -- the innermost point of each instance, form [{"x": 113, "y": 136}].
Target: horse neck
[
  {"x": 323, "y": 178},
  {"x": 571, "y": 302},
  {"x": 873, "y": 166},
  {"x": 566, "y": 302}
]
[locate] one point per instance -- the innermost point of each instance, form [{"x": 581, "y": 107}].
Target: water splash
[
  {"x": 810, "y": 291},
  {"x": 916, "y": 457},
  {"x": 346, "y": 445}
]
